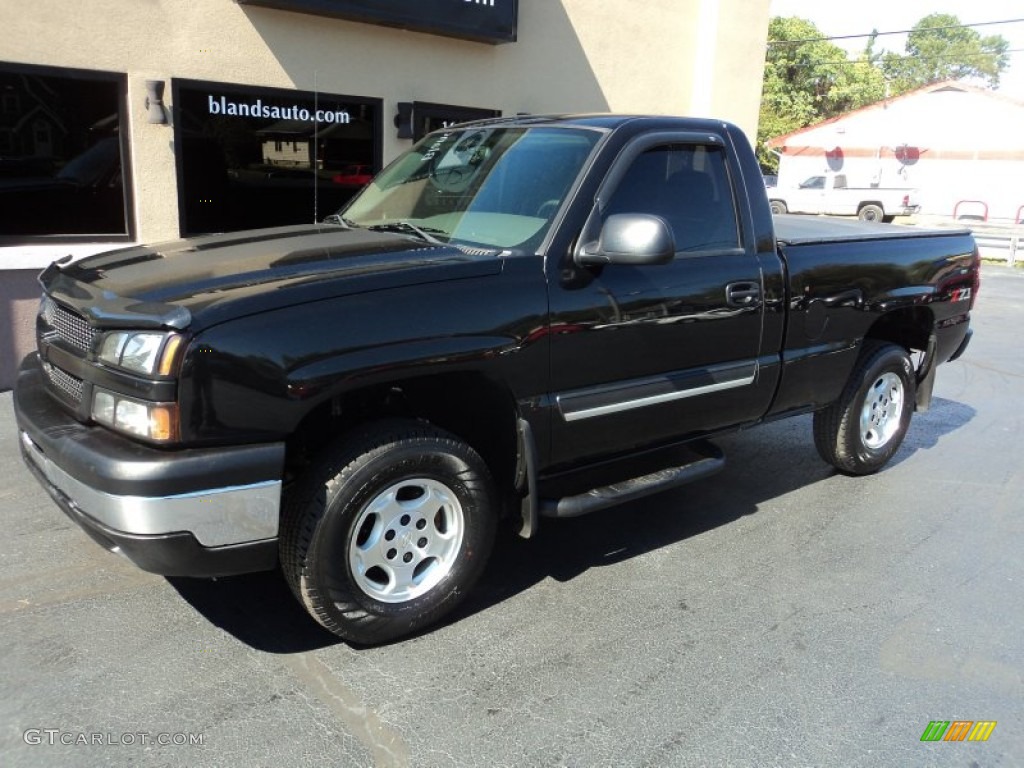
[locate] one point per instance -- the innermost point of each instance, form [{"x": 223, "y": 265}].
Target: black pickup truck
[{"x": 517, "y": 319}]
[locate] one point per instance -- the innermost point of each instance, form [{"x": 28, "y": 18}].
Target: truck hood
[{"x": 202, "y": 281}]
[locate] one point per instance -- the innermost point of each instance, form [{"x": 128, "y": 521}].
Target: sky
[{"x": 855, "y": 17}]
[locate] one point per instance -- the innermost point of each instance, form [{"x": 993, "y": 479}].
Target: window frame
[
  {"x": 120, "y": 79},
  {"x": 625, "y": 159},
  {"x": 424, "y": 111}
]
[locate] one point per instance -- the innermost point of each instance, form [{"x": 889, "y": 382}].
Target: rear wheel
[
  {"x": 871, "y": 212},
  {"x": 778, "y": 206},
  {"x": 864, "y": 428},
  {"x": 389, "y": 532}
]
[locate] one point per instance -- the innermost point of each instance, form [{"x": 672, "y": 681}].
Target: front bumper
[{"x": 188, "y": 512}]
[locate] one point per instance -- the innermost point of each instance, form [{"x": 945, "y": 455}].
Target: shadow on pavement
[
  {"x": 770, "y": 462},
  {"x": 258, "y": 608}
]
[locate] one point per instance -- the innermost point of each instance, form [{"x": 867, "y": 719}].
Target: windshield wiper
[{"x": 424, "y": 233}]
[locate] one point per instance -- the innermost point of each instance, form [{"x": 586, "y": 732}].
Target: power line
[
  {"x": 923, "y": 57},
  {"x": 894, "y": 32}
]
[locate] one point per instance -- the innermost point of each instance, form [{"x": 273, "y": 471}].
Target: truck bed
[{"x": 792, "y": 229}]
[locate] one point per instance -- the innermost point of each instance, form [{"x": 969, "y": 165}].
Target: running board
[{"x": 708, "y": 460}]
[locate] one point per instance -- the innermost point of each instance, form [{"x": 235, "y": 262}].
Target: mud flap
[{"x": 926, "y": 377}]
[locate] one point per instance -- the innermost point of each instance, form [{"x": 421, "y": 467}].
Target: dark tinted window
[
  {"x": 61, "y": 154},
  {"x": 433, "y": 117},
  {"x": 263, "y": 157},
  {"x": 688, "y": 186}
]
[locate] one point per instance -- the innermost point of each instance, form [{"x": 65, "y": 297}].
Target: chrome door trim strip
[{"x": 602, "y": 401}]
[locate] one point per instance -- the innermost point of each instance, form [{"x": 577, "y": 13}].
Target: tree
[
  {"x": 940, "y": 48},
  {"x": 807, "y": 79}
]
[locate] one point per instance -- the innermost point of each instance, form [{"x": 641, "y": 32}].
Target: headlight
[
  {"x": 150, "y": 421},
  {"x": 144, "y": 352}
]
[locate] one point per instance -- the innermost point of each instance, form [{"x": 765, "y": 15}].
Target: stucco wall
[
  {"x": 660, "y": 56},
  {"x": 19, "y": 301}
]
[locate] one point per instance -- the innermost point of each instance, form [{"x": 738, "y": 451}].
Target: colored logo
[{"x": 958, "y": 730}]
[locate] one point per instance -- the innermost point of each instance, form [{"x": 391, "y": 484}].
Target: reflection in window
[
  {"x": 428, "y": 117},
  {"x": 688, "y": 186},
  {"x": 490, "y": 186},
  {"x": 262, "y": 157},
  {"x": 61, "y": 153}
]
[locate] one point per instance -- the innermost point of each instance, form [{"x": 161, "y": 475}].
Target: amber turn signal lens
[
  {"x": 170, "y": 356},
  {"x": 163, "y": 422}
]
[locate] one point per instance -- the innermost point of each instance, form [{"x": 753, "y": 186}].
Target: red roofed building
[{"x": 962, "y": 147}]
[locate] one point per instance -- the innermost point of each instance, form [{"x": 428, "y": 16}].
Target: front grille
[
  {"x": 69, "y": 326},
  {"x": 65, "y": 382}
]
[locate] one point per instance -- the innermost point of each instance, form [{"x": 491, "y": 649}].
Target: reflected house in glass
[
  {"x": 290, "y": 144},
  {"x": 32, "y": 129},
  {"x": 60, "y": 155}
]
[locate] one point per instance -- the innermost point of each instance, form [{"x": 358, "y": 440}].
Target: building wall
[
  {"x": 660, "y": 56},
  {"x": 964, "y": 186},
  {"x": 19, "y": 302},
  {"x": 958, "y": 144}
]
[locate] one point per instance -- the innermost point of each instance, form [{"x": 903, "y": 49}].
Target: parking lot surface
[{"x": 776, "y": 614}]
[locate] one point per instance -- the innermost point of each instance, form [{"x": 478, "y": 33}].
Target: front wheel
[
  {"x": 864, "y": 428},
  {"x": 389, "y": 532},
  {"x": 778, "y": 207}
]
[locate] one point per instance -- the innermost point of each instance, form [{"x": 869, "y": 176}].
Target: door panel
[{"x": 643, "y": 354}]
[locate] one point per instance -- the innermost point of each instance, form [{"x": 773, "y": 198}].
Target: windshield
[{"x": 486, "y": 186}]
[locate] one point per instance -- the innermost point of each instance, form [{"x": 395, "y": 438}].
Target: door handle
[{"x": 746, "y": 293}]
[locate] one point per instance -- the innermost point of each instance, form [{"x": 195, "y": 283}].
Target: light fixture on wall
[
  {"x": 155, "y": 102},
  {"x": 403, "y": 120}
]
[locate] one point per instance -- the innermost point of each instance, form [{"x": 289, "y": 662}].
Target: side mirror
[{"x": 630, "y": 238}]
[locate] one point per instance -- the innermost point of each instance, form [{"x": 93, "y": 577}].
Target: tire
[
  {"x": 778, "y": 206},
  {"x": 389, "y": 531},
  {"x": 871, "y": 212},
  {"x": 860, "y": 432}
]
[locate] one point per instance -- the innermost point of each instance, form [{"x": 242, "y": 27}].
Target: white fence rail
[{"x": 1000, "y": 247}]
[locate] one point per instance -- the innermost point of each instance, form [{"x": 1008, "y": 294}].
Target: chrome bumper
[{"x": 216, "y": 517}]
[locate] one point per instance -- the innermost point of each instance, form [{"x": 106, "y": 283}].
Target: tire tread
[
  {"x": 833, "y": 425},
  {"x": 306, "y": 504}
]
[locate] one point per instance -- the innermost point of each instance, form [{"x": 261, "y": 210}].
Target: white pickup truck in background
[{"x": 829, "y": 194}]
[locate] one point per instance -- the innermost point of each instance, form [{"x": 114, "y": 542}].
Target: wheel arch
[
  {"x": 909, "y": 327},
  {"x": 475, "y": 408}
]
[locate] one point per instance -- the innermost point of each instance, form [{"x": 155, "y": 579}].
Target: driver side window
[{"x": 686, "y": 185}]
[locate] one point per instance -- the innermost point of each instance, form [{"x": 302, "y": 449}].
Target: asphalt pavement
[{"x": 778, "y": 614}]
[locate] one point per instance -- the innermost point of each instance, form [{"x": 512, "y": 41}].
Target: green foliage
[
  {"x": 808, "y": 80},
  {"x": 934, "y": 54}
]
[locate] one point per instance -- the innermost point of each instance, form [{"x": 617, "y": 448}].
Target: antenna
[{"x": 316, "y": 146}]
